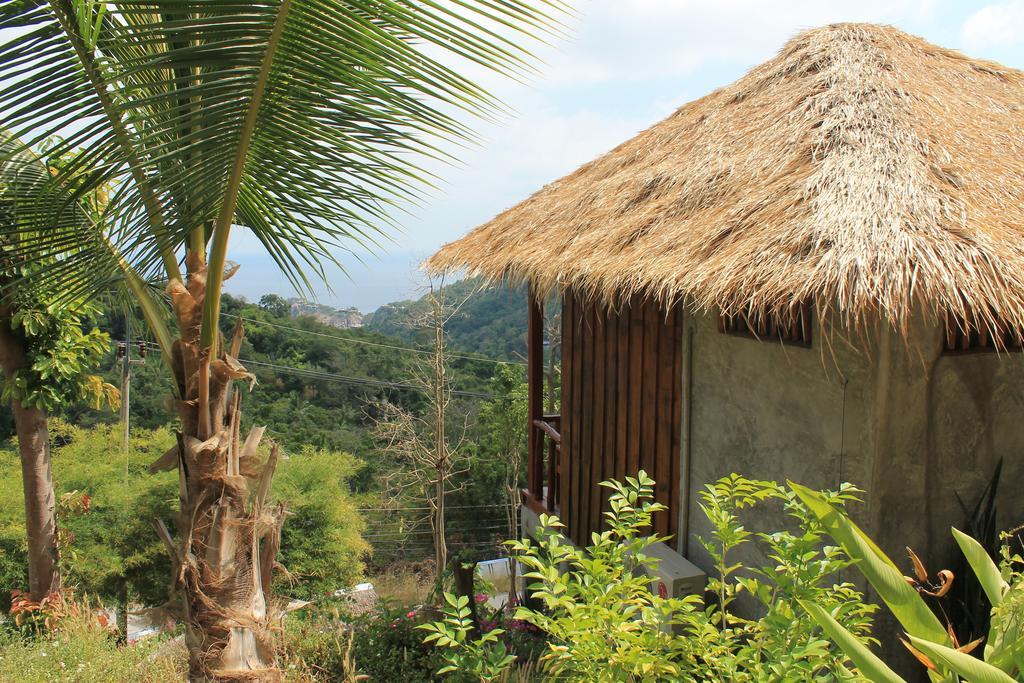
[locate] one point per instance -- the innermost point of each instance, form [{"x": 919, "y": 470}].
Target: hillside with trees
[{"x": 491, "y": 321}]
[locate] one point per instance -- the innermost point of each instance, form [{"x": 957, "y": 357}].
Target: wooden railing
[{"x": 549, "y": 428}]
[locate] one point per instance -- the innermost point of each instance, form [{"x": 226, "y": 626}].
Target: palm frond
[{"x": 304, "y": 120}]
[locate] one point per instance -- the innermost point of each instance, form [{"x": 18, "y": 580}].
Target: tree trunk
[
  {"x": 40, "y": 501},
  {"x": 36, "y": 478},
  {"x": 228, "y": 537}
]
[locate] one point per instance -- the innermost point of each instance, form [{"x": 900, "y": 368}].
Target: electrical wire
[
  {"x": 446, "y": 507},
  {"x": 345, "y": 379}
]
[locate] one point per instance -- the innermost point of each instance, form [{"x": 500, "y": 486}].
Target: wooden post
[{"x": 535, "y": 393}]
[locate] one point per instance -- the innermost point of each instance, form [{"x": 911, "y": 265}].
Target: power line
[
  {"x": 446, "y": 507},
  {"x": 365, "y": 381},
  {"x": 349, "y": 340}
]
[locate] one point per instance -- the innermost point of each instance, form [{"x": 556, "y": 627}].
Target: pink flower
[
  {"x": 480, "y": 597},
  {"x": 410, "y": 614}
]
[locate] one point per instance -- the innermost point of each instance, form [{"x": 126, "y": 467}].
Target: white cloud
[
  {"x": 636, "y": 40},
  {"x": 999, "y": 24}
]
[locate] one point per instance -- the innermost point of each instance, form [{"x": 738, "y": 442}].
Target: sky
[{"x": 623, "y": 66}]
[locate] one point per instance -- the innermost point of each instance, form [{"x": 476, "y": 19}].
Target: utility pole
[
  {"x": 126, "y": 385},
  {"x": 124, "y": 351}
]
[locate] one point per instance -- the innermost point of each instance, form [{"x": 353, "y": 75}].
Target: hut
[{"x": 814, "y": 273}]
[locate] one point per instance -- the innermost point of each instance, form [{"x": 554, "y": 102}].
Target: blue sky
[{"x": 625, "y": 65}]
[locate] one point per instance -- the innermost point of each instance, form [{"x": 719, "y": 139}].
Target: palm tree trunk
[
  {"x": 228, "y": 537},
  {"x": 36, "y": 477}
]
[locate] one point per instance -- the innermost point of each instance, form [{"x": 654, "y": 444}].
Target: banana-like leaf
[
  {"x": 870, "y": 664},
  {"x": 881, "y": 572},
  {"x": 984, "y": 568},
  {"x": 970, "y": 668}
]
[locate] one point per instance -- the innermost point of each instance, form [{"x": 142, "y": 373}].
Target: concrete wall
[
  {"x": 769, "y": 411},
  {"x": 911, "y": 426},
  {"x": 942, "y": 422}
]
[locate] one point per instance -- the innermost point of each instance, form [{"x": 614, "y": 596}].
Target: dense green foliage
[
  {"x": 109, "y": 535},
  {"x": 605, "y": 624},
  {"x": 321, "y": 545},
  {"x": 491, "y": 322},
  {"x": 315, "y": 383}
]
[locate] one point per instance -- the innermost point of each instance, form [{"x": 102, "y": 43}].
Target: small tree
[
  {"x": 422, "y": 442},
  {"x": 502, "y": 424},
  {"x": 45, "y": 351}
]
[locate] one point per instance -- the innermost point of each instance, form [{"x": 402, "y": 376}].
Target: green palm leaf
[
  {"x": 883, "y": 575},
  {"x": 870, "y": 664},
  {"x": 303, "y": 120}
]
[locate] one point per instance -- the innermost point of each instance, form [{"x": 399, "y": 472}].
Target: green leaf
[
  {"x": 883, "y": 575},
  {"x": 972, "y": 669},
  {"x": 867, "y": 661},
  {"x": 984, "y": 568}
]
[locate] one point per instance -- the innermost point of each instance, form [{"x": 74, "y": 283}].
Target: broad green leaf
[
  {"x": 868, "y": 662},
  {"x": 972, "y": 669},
  {"x": 984, "y": 568},
  {"x": 883, "y": 575}
]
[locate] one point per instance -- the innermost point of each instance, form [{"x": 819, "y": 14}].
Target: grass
[
  {"x": 403, "y": 584},
  {"x": 82, "y": 652}
]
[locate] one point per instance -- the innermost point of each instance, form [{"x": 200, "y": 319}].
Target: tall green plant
[
  {"x": 933, "y": 643},
  {"x": 605, "y": 623},
  {"x": 301, "y": 121}
]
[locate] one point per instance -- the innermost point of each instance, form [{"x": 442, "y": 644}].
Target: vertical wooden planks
[
  {"x": 622, "y": 392},
  {"x": 587, "y": 425},
  {"x": 597, "y": 406},
  {"x": 677, "y": 417},
  {"x": 664, "y": 420},
  {"x": 611, "y": 348},
  {"x": 649, "y": 392},
  {"x": 621, "y": 406},
  {"x": 636, "y": 384},
  {"x": 577, "y": 394}
]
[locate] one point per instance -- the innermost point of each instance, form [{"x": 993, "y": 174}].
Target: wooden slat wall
[{"x": 621, "y": 406}]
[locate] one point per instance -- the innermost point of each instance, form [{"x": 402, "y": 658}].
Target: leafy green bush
[
  {"x": 113, "y": 543},
  {"x": 482, "y": 656},
  {"x": 605, "y": 624},
  {"x": 316, "y": 647},
  {"x": 321, "y": 543},
  {"x": 388, "y": 647}
]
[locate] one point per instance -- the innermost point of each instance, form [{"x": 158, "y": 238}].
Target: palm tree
[{"x": 301, "y": 121}]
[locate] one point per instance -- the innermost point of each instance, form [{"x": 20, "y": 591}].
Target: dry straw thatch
[{"x": 862, "y": 169}]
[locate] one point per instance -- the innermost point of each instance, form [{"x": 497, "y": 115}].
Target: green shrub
[
  {"x": 389, "y": 648},
  {"x": 604, "y": 623},
  {"x": 1000, "y": 660},
  {"x": 113, "y": 543},
  {"x": 321, "y": 542},
  {"x": 482, "y": 656},
  {"x": 317, "y": 648}
]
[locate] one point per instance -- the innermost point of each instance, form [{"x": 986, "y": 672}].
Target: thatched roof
[{"x": 861, "y": 169}]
